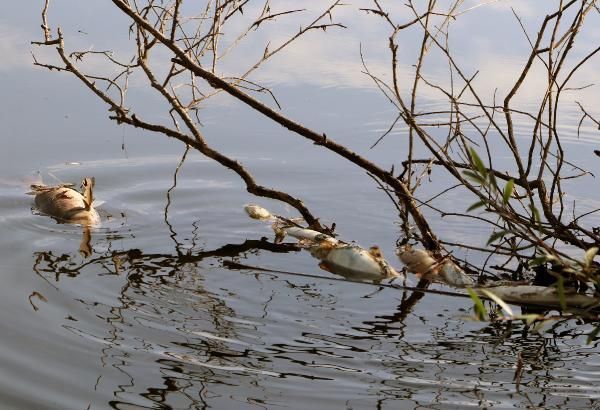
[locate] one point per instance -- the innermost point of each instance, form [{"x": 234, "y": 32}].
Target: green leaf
[
  {"x": 536, "y": 216},
  {"x": 589, "y": 256},
  {"x": 495, "y": 236},
  {"x": 473, "y": 176},
  {"x": 508, "y": 190},
  {"x": 477, "y": 162},
  {"x": 499, "y": 301},
  {"x": 476, "y": 205},
  {"x": 480, "y": 311}
]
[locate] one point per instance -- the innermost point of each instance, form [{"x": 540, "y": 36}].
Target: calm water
[{"x": 157, "y": 317}]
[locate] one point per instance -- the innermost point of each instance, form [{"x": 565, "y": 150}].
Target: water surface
[{"x": 158, "y": 316}]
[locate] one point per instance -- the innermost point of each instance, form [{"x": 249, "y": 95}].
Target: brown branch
[
  {"x": 181, "y": 58},
  {"x": 321, "y": 139},
  {"x": 122, "y": 116},
  {"x": 251, "y": 185},
  {"x": 273, "y": 16},
  {"x": 45, "y": 26},
  {"x": 500, "y": 175}
]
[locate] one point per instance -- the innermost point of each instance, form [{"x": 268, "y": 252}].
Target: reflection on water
[
  {"x": 158, "y": 326},
  {"x": 215, "y": 336}
]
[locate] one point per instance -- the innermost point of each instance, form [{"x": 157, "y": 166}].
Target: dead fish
[
  {"x": 452, "y": 274},
  {"x": 67, "y": 204},
  {"x": 303, "y": 234},
  {"x": 336, "y": 256},
  {"x": 258, "y": 212},
  {"x": 417, "y": 261},
  {"x": 352, "y": 258},
  {"x": 420, "y": 262}
]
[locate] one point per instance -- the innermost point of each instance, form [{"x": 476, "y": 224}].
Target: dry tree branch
[
  {"x": 235, "y": 166},
  {"x": 122, "y": 115},
  {"x": 273, "y": 16},
  {"x": 269, "y": 53},
  {"x": 517, "y": 213},
  {"x": 196, "y": 49},
  {"x": 151, "y": 34},
  {"x": 45, "y": 26},
  {"x": 312, "y": 25},
  {"x": 561, "y": 230},
  {"x": 321, "y": 139},
  {"x": 182, "y": 59},
  {"x": 417, "y": 77},
  {"x": 584, "y": 116}
]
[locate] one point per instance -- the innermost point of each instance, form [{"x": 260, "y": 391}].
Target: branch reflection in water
[
  {"x": 145, "y": 299},
  {"x": 202, "y": 345}
]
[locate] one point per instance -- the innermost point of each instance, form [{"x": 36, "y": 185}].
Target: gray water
[{"x": 160, "y": 316}]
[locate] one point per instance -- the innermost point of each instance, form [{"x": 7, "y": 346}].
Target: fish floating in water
[
  {"x": 336, "y": 256},
  {"x": 420, "y": 262},
  {"x": 66, "y": 204}
]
